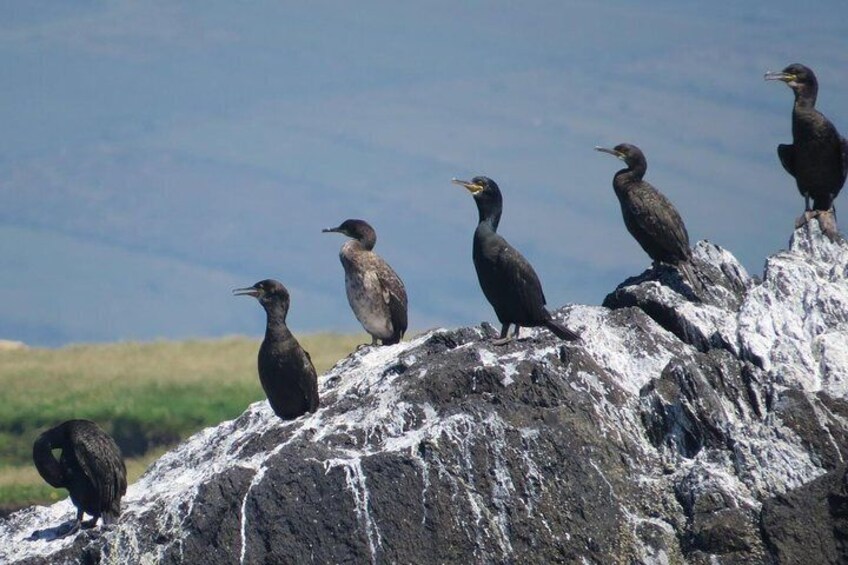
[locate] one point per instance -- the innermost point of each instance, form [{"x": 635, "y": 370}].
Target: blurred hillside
[{"x": 147, "y": 395}]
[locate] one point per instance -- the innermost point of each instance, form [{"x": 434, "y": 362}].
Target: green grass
[
  {"x": 21, "y": 486},
  {"x": 147, "y": 395}
]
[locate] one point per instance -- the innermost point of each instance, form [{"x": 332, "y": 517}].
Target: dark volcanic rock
[
  {"x": 696, "y": 316},
  {"x": 810, "y": 524},
  {"x": 685, "y": 428},
  {"x": 695, "y": 403}
]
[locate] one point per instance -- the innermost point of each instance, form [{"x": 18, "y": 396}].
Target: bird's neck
[
  {"x": 46, "y": 464},
  {"x": 354, "y": 246},
  {"x": 805, "y": 98},
  {"x": 367, "y": 241},
  {"x": 489, "y": 217},
  {"x": 276, "y": 321},
  {"x": 629, "y": 175}
]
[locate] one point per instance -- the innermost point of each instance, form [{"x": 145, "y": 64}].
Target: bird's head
[
  {"x": 267, "y": 292},
  {"x": 801, "y": 79},
  {"x": 629, "y": 153},
  {"x": 487, "y": 196},
  {"x": 359, "y": 230},
  {"x": 485, "y": 191}
]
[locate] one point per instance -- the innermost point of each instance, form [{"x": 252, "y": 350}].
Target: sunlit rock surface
[{"x": 690, "y": 426}]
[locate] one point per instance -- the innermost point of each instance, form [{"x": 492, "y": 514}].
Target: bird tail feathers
[
  {"x": 111, "y": 516},
  {"x": 688, "y": 273},
  {"x": 561, "y": 331}
]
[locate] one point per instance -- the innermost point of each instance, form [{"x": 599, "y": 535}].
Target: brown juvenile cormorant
[
  {"x": 375, "y": 292},
  {"x": 649, "y": 216},
  {"x": 90, "y": 467},
  {"x": 285, "y": 369},
  {"x": 818, "y": 156},
  {"x": 508, "y": 280}
]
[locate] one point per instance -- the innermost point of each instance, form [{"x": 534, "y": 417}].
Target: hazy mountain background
[{"x": 155, "y": 155}]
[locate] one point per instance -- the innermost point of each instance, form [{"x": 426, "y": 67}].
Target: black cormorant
[
  {"x": 90, "y": 467},
  {"x": 285, "y": 369},
  {"x": 818, "y": 156},
  {"x": 650, "y": 217},
  {"x": 508, "y": 280},
  {"x": 375, "y": 292}
]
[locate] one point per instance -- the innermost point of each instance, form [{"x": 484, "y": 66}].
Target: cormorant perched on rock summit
[
  {"x": 90, "y": 467},
  {"x": 374, "y": 291},
  {"x": 508, "y": 280},
  {"x": 818, "y": 156},
  {"x": 649, "y": 216},
  {"x": 285, "y": 369}
]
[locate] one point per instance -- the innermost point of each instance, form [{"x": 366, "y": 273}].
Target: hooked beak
[
  {"x": 612, "y": 152},
  {"x": 779, "y": 75},
  {"x": 470, "y": 186},
  {"x": 249, "y": 291},
  {"x": 331, "y": 230}
]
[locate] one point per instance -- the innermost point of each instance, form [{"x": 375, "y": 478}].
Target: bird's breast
[{"x": 369, "y": 303}]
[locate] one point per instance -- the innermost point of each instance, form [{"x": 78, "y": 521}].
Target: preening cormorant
[
  {"x": 508, "y": 280},
  {"x": 818, "y": 156},
  {"x": 90, "y": 467},
  {"x": 649, "y": 216},
  {"x": 285, "y": 369},
  {"x": 375, "y": 292}
]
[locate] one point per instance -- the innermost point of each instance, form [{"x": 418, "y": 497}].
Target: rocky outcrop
[
  {"x": 810, "y": 524},
  {"x": 689, "y": 426}
]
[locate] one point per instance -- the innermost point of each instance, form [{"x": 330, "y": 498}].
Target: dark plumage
[
  {"x": 90, "y": 467},
  {"x": 818, "y": 156},
  {"x": 285, "y": 369},
  {"x": 374, "y": 291},
  {"x": 649, "y": 216},
  {"x": 508, "y": 281}
]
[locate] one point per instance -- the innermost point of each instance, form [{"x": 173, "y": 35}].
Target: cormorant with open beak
[{"x": 285, "y": 369}]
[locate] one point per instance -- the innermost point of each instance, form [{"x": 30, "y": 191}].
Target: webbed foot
[
  {"x": 827, "y": 223},
  {"x": 805, "y": 217}
]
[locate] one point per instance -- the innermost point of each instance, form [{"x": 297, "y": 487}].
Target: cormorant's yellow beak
[
  {"x": 470, "y": 186},
  {"x": 612, "y": 152},
  {"x": 780, "y": 75}
]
